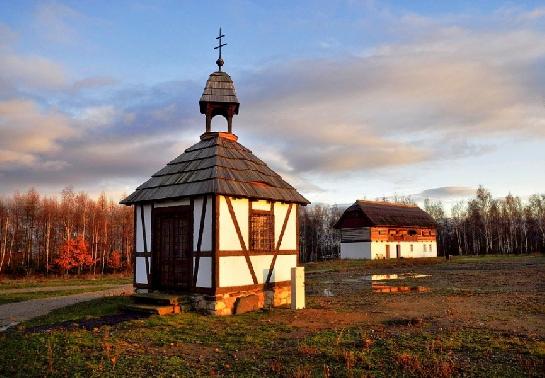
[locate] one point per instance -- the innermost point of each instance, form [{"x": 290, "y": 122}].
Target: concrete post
[{"x": 297, "y": 288}]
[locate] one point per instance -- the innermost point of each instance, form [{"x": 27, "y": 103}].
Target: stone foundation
[{"x": 226, "y": 304}]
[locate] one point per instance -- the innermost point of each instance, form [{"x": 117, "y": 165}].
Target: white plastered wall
[
  {"x": 228, "y": 238},
  {"x": 234, "y": 270},
  {"x": 204, "y": 275},
  {"x": 206, "y": 244},
  {"x": 141, "y": 276},
  {"x": 289, "y": 240}
]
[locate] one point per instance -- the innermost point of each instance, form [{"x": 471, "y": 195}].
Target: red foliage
[
  {"x": 114, "y": 261},
  {"x": 74, "y": 254}
]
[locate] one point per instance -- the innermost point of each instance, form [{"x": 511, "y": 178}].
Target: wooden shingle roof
[
  {"x": 218, "y": 164},
  {"x": 376, "y": 214},
  {"x": 219, "y": 89}
]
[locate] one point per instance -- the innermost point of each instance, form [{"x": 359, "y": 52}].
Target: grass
[
  {"x": 30, "y": 282},
  {"x": 356, "y": 333}
]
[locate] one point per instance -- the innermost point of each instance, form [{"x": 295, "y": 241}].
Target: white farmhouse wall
[
  {"x": 204, "y": 276},
  {"x": 289, "y": 240},
  {"x": 377, "y": 250},
  {"x": 206, "y": 244},
  {"x": 360, "y": 250},
  {"x": 228, "y": 238}
]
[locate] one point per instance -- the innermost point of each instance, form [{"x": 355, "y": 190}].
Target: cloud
[
  {"x": 442, "y": 92},
  {"x": 93, "y": 83},
  {"x": 57, "y": 22},
  {"x": 7, "y": 36},
  {"x": 25, "y": 72},
  {"x": 447, "y": 192},
  {"x": 26, "y": 131},
  {"x": 449, "y": 95}
]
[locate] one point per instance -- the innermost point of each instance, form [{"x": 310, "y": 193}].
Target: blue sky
[{"x": 345, "y": 99}]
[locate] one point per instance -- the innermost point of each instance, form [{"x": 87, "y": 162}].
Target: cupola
[{"x": 219, "y": 96}]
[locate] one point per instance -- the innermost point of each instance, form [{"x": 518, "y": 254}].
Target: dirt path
[
  {"x": 55, "y": 288},
  {"x": 14, "y": 313}
]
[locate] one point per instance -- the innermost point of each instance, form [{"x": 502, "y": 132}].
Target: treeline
[
  {"x": 36, "y": 231},
  {"x": 481, "y": 225},
  {"x": 318, "y": 240},
  {"x": 487, "y": 225}
]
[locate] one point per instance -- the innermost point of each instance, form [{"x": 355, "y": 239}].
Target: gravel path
[
  {"x": 14, "y": 313},
  {"x": 54, "y": 288}
]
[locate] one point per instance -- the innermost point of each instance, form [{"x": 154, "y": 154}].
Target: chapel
[{"x": 216, "y": 222}]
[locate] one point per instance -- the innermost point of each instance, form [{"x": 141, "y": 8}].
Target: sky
[{"x": 345, "y": 99}]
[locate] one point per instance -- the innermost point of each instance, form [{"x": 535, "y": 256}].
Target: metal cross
[{"x": 219, "y": 62}]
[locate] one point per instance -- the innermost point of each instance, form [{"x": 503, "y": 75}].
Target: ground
[{"x": 470, "y": 316}]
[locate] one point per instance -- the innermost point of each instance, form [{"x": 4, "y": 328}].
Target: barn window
[
  {"x": 425, "y": 248},
  {"x": 412, "y": 250},
  {"x": 261, "y": 231}
]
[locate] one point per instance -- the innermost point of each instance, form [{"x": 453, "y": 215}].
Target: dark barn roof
[
  {"x": 217, "y": 164},
  {"x": 375, "y": 214}
]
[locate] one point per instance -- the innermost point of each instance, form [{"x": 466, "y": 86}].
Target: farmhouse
[
  {"x": 217, "y": 222},
  {"x": 382, "y": 230}
]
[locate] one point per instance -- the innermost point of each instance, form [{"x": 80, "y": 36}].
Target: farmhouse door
[
  {"x": 387, "y": 251},
  {"x": 173, "y": 248},
  {"x": 398, "y": 251}
]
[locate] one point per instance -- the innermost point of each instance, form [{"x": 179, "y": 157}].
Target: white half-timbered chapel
[{"x": 216, "y": 221}]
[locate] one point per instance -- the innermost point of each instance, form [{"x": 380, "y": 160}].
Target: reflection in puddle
[
  {"x": 385, "y": 277},
  {"x": 377, "y": 285},
  {"x": 381, "y": 288}
]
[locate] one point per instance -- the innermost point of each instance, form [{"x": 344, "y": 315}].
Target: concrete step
[{"x": 154, "y": 309}]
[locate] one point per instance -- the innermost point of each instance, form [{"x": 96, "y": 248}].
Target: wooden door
[
  {"x": 387, "y": 251},
  {"x": 398, "y": 251},
  {"x": 173, "y": 248}
]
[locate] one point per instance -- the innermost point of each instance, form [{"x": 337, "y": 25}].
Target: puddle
[
  {"x": 378, "y": 287},
  {"x": 386, "y": 277},
  {"x": 381, "y": 288}
]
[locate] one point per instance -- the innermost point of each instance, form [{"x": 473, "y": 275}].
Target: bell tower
[{"x": 219, "y": 96}]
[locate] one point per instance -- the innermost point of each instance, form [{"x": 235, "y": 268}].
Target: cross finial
[{"x": 219, "y": 62}]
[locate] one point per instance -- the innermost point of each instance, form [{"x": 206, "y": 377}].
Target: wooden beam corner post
[{"x": 199, "y": 240}]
